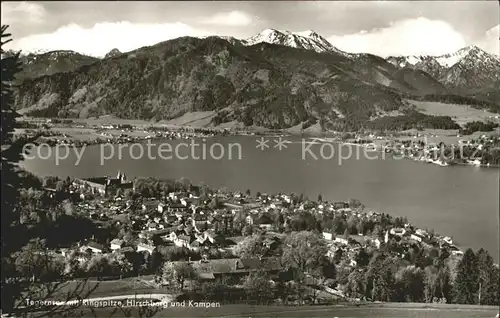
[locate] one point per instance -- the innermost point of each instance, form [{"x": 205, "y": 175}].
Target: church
[{"x": 102, "y": 185}]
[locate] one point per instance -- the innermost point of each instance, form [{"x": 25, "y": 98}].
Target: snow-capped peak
[
  {"x": 268, "y": 36},
  {"x": 448, "y": 60},
  {"x": 308, "y": 34},
  {"x": 445, "y": 60},
  {"x": 308, "y": 40}
]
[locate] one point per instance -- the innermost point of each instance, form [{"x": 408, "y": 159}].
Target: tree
[
  {"x": 303, "y": 250},
  {"x": 239, "y": 219},
  {"x": 258, "y": 287},
  {"x": 247, "y": 230},
  {"x": 178, "y": 272},
  {"x": 412, "y": 282},
  {"x": 217, "y": 290},
  {"x": 11, "y": 151},
  {"x": 383, "y": 285},
  {"x": 328, "y": 269},
  {"x": 337, "y": 257},
  {"x": 362, "y": 258},
  {"x": 467, "y": 279},
  {"x": 128, "y": 194},
  {"x": 15, "y": 292},
  {"x": 444, "y": 287},
  {"x": 186, "y": 183},
  {"x": 119, "y": 264},
  {"x": 119, "y": 192},
  {"x": 252, "y": 246},
  {"x": 355, "y": 203},
  {"x": 379, "y": 278},
  {"x": 303, "y": 253},
  {"x": 346, "y": 233},
  {"x": 356, "y": 283},
  {"x": 487, "y": 279},
  {"x": 247, "y": 192},
  {"x": 34, "y": 261},
  {"x": 60, "y": 186},
  {"x": 339, "y": 224},
  {"x": 320, "y": 198},
  {"x": 215, "y": 203},
  {"x": 360, "y": 227},
  {"x": 155, "y": 261}
]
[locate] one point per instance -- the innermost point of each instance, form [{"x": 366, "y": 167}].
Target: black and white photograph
[{"x": 250, "y": 159}]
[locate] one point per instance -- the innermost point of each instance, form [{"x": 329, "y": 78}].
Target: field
[
  {"x": 105, "y": 288},
  {"x": 193, "y": 119},
  {"x": 313, "y": 130},
  {"x": 390, "y": 310},
  {"x": 130, "y": 286},
  {"x": 461, "y": 114}
]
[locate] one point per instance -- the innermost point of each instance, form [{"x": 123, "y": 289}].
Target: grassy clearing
[
  {"x": 105, "y": 288},
  {"x": 313, "y": 130},
  {"x": 461, "y": 114},
  {"x": 113, "y": 121},
  {"x": 390, "y": 310},
  {"x": 446, "y": 136},
  {"x": 193, "y": 119}
]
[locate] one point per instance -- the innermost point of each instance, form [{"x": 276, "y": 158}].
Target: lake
[{"x": 457, "y": 201}]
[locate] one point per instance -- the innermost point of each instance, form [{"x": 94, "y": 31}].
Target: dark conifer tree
[
  {"x": 487, "y": 279},
  {"x": 467, "y": 280},
  {"x": 11, "y": 155}
]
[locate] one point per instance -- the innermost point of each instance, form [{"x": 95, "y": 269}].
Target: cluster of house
[
  {"x": 406, "y": 236},
  {"x": 410, "y": 235},
  {"x": 180, "y": 220},
  {"x": 479, "y": 144},
  {"x": 184, "y": 220},
  {"x": 435, "y": 153}
]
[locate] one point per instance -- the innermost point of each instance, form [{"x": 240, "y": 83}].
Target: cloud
[
  {"x": 406, "y": 37},
  {"x": 103, "y": 37},
  {"x": 490, "y": 41},
  {"x": 233, "y": 18},
  {"x": 22, "y": 12}
]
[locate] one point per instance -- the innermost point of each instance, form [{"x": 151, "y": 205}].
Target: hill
[{"x": 36, "y": 65}]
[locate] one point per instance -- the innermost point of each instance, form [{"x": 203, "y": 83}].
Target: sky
[{"x": 378, "y": 27}]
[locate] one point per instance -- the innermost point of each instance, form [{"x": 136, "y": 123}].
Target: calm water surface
[{"x": 458, "y": 201}]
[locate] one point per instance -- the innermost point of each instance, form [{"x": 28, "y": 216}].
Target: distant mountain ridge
[
  {"x": 51, "y": 62},
  {"x": 307, "y": 40},
  {"x": 274, "y": 79},
  {"x": 467, "y": 68}
]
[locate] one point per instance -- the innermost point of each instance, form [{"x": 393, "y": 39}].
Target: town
[
  {"x": 482, "y": 150},
  {"x": 231, "y": 246},
  {"x": 78, "y": 134}
]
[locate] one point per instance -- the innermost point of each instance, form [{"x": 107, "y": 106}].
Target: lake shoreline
[{"x": 437, "y": 198}]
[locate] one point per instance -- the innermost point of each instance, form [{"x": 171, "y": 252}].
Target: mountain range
[
  {"x": 467, "y": 68},
  {"x": 275, "y": 79}
]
